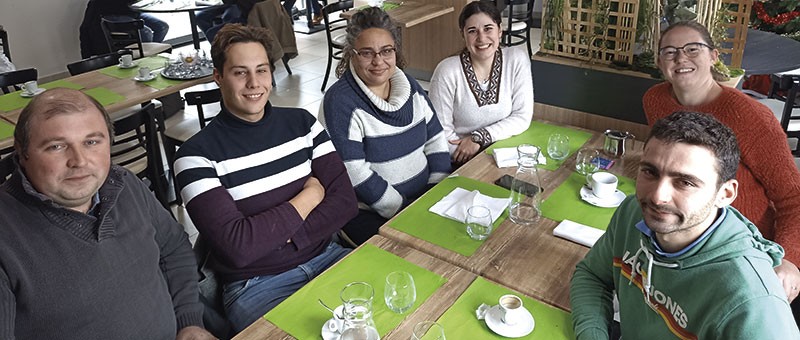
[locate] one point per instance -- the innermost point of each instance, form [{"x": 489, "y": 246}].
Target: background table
[
  {"x": 767, "y": 53},
  {"x": 176, "y": 6}
]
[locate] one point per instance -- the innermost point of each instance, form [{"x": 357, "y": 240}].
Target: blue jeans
[
  {"x": 316, "y": 8},
  {"x": 154, "y": 28},
  {"x": 247, "y": 300},
  {"x": 227, "y": 13}
]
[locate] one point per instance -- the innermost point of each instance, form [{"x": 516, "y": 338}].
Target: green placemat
[
  {"x": 459, "y": 321},
  {"x": 301, "y": 315},
  {"x": 162, "y": 83},
  {"x": 566, "y": 203},
  {"x": 6, "y": 129},
  {"x": 417, "y": 221},
  {"x": 63, "y": 84},
  {"x": 537, "y": 134},
  {"x": 12, "y": 101},
  {"x": 154, "y": 62},
  {"x": 104, "y": 96}
]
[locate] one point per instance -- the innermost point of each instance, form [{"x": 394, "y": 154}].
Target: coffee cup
[
  {"x": 126, "y": 60},
  {"x": 603, "y": 184},
  {"x": 511, "y": 310},
  {"x": 30, "y": 87},
  {"x": 144, "y": 72},
  {"x": 337, "y": 324}
]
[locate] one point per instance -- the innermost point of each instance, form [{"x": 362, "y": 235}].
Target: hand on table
[
  {"x": 194, "y": 333},
  {"x": 466, "y": 149},
  {"x": 789, "y": 276}
]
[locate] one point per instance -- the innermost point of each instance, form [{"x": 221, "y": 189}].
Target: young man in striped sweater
[{"x": 263, "y": 185}]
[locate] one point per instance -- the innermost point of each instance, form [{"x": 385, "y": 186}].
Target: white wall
[{"x": 43, "y": 33}]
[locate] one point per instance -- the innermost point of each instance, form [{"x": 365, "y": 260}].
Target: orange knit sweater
[{"x": 769, "y": 182}]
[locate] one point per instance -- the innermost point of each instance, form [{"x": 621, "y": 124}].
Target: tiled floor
[{"x": 302, "y": 87}]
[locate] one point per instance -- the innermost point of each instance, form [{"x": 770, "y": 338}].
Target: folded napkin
[
  {"x": 578, "y": 233},
  {"x": 455, "y": 204},
  {"x": 507, "y": 157}
]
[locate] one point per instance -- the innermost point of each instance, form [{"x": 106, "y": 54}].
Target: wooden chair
[
  {"x": 334, "y": 31},
  {"x": 125, "y": 34},
  {"x": 10, "y": 81},
  {"x": 136, "y": 148},
  {"x": 786, "y": 88},
  {"x": 93, "y": 63},
  {"x": 517, "y": 26}
]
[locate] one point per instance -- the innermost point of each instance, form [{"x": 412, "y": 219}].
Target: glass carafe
[
  {"x": 358, "y": 324},
  {"x": 526, "y": 193}
]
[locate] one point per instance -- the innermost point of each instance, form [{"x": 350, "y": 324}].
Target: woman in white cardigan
[{"x": 485, "y": 93}]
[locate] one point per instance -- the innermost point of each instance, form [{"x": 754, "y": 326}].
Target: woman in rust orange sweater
[{"x": 769, "y": 182}]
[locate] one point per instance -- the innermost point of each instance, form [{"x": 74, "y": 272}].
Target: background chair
[
  {"x": 93, "y": 63},
  {"x": 6, "y": 168},
  {"x": 10, "y": 81},
  {"x": 334, "y": 31},
  {"x": 137, "y": 149},
  {"x": 517, "y": 26},
  {"x": 786, "y": 89},
  {"x": 4, "y": 43},
  {"x": 125, "y": 34}
]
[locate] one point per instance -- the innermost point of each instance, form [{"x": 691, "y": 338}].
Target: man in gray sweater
[{"x": 86, "y": 251}]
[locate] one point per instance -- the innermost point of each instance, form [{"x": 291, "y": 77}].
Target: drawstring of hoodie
[{"x": 648, "y": 279}]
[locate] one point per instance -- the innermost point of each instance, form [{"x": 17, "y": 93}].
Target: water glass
[
  {"x": 400, "y": 293},
  {"x": 558, "y": 147},
  {"x": 587, "y": 161},
  {"x": 358, "y": 324},
  {"x": 479, "y": 222},
  {"x": 428, "y": 330}
]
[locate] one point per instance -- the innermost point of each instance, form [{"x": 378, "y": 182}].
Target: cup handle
[{"x": 589, "y": 181}]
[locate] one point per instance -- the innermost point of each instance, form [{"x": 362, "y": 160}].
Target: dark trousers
[{"x": 362, "y": 227}]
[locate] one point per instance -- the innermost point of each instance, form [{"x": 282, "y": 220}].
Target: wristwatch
[{"x": 481, "y": 137}]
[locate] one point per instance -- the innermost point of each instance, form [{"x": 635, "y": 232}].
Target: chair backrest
[
  {"x": 123, "y": 34},
  {"x": 4, "y": 43},
  {"x": 93, "y": 63},
  {"x": 6, "y": 168},
  {"x": 786, "y": 88},
  {"x": 200, "y": 98},
  {"x": 10, "y": 81},
  {"x": 332, "y": 26},
  {"x": 136, "y": 148}
]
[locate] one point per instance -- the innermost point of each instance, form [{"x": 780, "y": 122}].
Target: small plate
[
  {"x": 327, "y": 333},
  {"x": 612, "y": 202},
  {"x": 26, "y": 94},
  {"x": 152, "y": 76},
  {"x": 496, "y": 324},
  {"x": 132, "y": 65}
]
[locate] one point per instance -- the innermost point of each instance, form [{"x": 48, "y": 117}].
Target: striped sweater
[
  {"x": 237, "y": 177},
  {"x": 393, "y": 150}
]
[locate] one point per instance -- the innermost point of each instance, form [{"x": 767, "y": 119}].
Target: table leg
[
  {"x": 309, "y": 15},
  {"x": 195, "y": 36}
]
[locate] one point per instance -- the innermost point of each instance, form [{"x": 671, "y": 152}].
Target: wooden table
[
  {"x": 411, "y": 13},
  {"x": 525, "y": 258},
  {"x": 458, "y": 279}
]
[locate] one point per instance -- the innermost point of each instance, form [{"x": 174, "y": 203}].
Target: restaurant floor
[{"x": 302, "y": 87}]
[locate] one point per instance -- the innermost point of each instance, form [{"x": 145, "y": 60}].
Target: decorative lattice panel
[{"x": 595, "y": 30}]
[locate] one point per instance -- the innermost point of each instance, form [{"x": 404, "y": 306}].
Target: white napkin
[
  {"x": 578, "y": 233},
  {"x": 455, "y": 204},
  {"x": 507, "y": 157}
]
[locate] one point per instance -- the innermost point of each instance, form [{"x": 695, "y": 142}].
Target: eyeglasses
[
  {"x": 691, "y": 50},
  {"x": 369, "y": 54}
]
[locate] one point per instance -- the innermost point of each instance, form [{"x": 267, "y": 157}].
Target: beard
[{"x": 667, "y": 219}]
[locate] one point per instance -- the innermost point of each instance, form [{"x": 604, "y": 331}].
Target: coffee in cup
[
  {"x": 603, "y": 184},
  {"x": 30, "y": 87},
  {"x": 144, "y": 72},
  {"x": 511, "y": 309},
  {"x": 126, "y": 60}
]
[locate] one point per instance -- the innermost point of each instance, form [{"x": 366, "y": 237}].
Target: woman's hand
[{"x": 466, "y": 149}]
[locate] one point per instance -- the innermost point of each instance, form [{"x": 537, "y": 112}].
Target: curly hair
[{"x": 370, "y": 17}]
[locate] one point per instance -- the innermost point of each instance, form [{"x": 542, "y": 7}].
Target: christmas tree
[{"x": 781, "y": 17}]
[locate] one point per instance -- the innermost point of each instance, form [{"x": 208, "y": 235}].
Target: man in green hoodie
[{"x": 681, "y": 260}]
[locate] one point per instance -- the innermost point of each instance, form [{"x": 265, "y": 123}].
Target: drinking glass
[
  {"x": 428, "y": 330},
  {"x": 479, "y": 222},
  {"x": 587, "y": 161},
  {"x": 357, "y": 300},
  {"x": 400, "y": 292},
  {"x": 558, "y": 147}
]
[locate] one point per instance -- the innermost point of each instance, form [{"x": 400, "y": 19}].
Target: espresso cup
[
  {"x": 144, "y": 72},
  {"x": 511, "y": 310},
  {"x": 30, "y": 87},
  {"x": 126, "y": 60},
  {"x": 603, "y": 184},
  {"x": 338, "y": 320}
]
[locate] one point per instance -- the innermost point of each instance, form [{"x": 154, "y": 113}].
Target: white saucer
[
  {"x": 26, "y": 94},
  {"x": 152, "y": 76},
  {"x": 327, "y": 333},
  {"x": 611, "y": 202},
  {"x": 132, "y": 65},
  {"x": 494, "y": 321}
]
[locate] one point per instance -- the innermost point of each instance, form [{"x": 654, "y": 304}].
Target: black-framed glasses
[
  {"x": 691, "y": 50},
  {"x": 369, "y": 54}
]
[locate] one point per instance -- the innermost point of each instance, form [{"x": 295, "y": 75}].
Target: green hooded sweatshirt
[{"x": 724, "y": 287}]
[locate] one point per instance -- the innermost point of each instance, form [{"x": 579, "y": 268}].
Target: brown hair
[
  {"x": 692, "y": 25},
  {"x": 370, "y": 17},
  {"x": 236, "y": 33}
]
